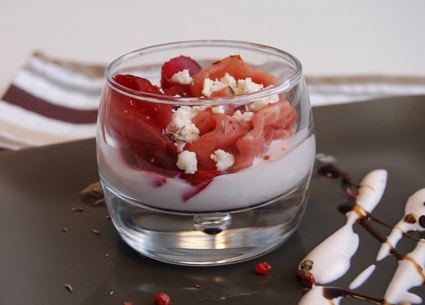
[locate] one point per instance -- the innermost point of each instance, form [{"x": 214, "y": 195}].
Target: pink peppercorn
[
  {"x": 263, "y": 268},
  {"x": 162, "y": 299}
]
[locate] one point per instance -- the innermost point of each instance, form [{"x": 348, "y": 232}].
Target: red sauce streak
[
  {"x": 156, "y": 180},
  {"x": 266, "y": 157},
  {"x": 196, "y": 190}
]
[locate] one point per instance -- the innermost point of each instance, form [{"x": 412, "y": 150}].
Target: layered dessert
[{"x": 218, "y": 137}]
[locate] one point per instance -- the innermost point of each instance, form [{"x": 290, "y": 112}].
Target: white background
[{"x": 331, "y": 37}]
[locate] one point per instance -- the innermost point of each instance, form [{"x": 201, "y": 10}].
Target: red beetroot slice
[
  {"x": 178, "y": 90},
  {"x": 136, "y": 83},
  {"x": 156, "y": 114},
  {"x": 174, "y": 65},
  {"x": 138, "y": 125}
]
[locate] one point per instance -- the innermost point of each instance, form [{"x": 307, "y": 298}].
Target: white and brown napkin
[
  {"x": 337, "y": 90},
  {"x": 51, "y": 101}
]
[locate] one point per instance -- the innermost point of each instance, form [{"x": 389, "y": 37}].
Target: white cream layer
[{"x": 261, "y": 182}]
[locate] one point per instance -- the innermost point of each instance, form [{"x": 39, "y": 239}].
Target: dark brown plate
[{"x": 44, "y": 245}]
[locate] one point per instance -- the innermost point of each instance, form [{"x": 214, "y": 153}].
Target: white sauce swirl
[{"x": 330, "y": 265}]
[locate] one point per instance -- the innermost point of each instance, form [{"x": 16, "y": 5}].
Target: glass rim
[{"x": 282, "y": 87}]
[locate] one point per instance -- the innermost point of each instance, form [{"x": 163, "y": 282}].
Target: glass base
[{"x": 207, "y": 239}]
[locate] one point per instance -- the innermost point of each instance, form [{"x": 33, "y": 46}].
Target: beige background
[{"x": 332, "y": 37}]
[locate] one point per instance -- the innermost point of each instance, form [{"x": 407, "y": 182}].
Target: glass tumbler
[{"x": 205, "y": 150}]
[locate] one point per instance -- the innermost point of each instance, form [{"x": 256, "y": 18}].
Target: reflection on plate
[{"x": 45, "y": 243}]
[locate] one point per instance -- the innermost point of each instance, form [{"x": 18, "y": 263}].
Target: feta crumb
[
  {"x": 211, "y": 86},
  {"x": 187, "y": 161},
  {"x": 218, "y": 109},
  {"x": 258, "y": 104},
  {"x": 228, "y": 80},
  {"x": 199, "y": 109},
  {"x": 181, "y": 124},
  {"x": 182, "y": 77},
  {"x": 248, "y": 86},
  {"x": 242, "y": 86},
  {"x": 243, "y": 117},
  {"x": 223, "y": 159}
]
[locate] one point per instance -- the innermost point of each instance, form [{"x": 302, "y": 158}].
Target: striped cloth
[
  {"x": 52, "y": 101},
  {"x": 337, "y": 90}
]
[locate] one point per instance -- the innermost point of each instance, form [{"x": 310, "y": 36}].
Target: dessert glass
[{"x": 230, "y": 216}]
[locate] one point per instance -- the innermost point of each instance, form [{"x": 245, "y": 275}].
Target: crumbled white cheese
[
  {"x": 218, "y": 109},
  {"x": 247, "y": 86},
  {"x": 242, "y": 86},
  {"x": 228, "y": 80},
  {"x": 181, "y": 124},
  {"x": 258, "y": 104},
  {"x": 187, "y": 161},
  {"x": 211, "y": 86},
  {"x": 223, "y": 159},
  {"x": 243, "y": 117},
  {"x": 182, "y": 77}
]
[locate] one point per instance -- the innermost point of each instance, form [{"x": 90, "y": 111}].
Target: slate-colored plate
[{"x": 45, "y": 245}]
